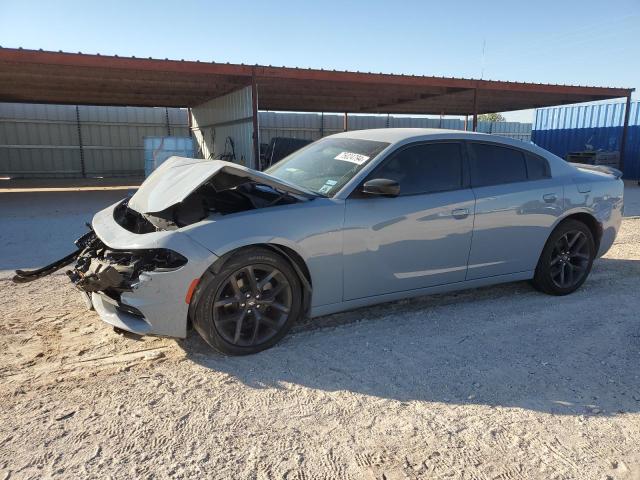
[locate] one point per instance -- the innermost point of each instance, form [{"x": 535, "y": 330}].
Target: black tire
[
  {"x": 566, "y": 259},
  {"x": 255, "y": 314}
]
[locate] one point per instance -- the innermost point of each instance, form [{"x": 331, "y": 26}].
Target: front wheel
[
  {"x": 250, "y": 304},
  {"x": 566, "y": 259}
]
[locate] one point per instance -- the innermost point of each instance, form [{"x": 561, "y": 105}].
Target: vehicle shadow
[{"x": 506, "y": 346}]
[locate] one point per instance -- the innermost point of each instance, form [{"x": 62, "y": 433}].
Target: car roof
[
  {"x": 395, "y": 135},
  {"x": 402, "y": 136},
  {"x": 408, "y": 135}
]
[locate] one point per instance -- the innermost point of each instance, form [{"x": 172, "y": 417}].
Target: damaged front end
[
  {"x": 179, "y": 193},
  {"x": 99, "y": 268},
  {"x": 133, "y": 269},
  {"x": 102, "y": 269}
]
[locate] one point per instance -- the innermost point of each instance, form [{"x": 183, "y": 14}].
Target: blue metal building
[{"x": 599, "y": 126}]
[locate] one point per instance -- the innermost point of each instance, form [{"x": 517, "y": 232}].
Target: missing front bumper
[
  {"x": 149, "y": 298},
  {"x": 99, "y": 268},
  {"x": 24, "y": 276}
]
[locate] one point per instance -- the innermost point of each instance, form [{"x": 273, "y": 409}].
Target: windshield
[{"x": 325, "y": 166}]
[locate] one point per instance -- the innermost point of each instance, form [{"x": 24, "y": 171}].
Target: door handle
[
  {"x": 460, "y": 213},
  {"x": 550, "y": 197}
]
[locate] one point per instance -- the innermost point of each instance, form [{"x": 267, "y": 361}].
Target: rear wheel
[
  {"x": 566, "y": 259},
  {"x": 250, "y": 304}
]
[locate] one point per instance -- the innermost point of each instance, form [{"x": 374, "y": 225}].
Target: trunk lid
[{"x": 614, "y": 172}]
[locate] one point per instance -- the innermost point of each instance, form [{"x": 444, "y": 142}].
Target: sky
[{"x": 567, "y": 42}]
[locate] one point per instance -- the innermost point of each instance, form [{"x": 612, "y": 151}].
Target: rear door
[
  {"x": 420, "y": 238},
  {"x": 517, "y": 202}
]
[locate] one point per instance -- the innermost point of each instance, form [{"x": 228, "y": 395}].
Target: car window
[
  {"x": 494, "y": 165},
  {"x": 326, "y": 166},
  {"x": 426, "y": 168},
  {"x": 537, "y": 167}
]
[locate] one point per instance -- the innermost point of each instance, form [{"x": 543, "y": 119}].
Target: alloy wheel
[
  {"x": 252, "y": 305},
  {"x": 570, "y": 259}
]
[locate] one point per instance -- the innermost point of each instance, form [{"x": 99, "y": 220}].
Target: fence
[
  {"x": 47, "y": 141},
  {"x": 312, "y": 126},
  {"x": 44, "y": 141},
  {"x": 567, "y": 129}
]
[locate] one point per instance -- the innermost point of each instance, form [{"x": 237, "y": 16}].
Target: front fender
[{"x": 312, "y": 229}]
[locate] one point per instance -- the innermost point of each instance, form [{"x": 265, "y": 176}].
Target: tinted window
[
  {"x": 493, "y": 165},
  {"x": 427, "y": 168},
  {"x": 537, "y": 167}
]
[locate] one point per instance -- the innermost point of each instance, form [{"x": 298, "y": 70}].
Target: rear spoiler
[{"x": 599, "y": 168}]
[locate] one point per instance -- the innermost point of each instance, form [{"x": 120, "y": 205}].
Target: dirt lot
[{"x": 496, "y": 383}]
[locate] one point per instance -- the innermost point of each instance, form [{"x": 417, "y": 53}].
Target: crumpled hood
[{"x": 178, "y": 177}]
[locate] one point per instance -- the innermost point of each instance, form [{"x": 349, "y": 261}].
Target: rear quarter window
[
  {"x": 537, "y": 167},
  {"x": 495, "y": 165}
]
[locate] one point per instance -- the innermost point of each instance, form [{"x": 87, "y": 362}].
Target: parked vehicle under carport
[{"x": 351, "y": 220}]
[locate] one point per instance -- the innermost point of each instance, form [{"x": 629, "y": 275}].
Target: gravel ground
[{"x": 494, "y": 383}]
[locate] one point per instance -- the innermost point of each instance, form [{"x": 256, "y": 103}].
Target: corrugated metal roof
[{"x": 75, "y": 78}]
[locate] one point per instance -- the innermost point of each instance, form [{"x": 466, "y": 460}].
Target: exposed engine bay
[
  {"x": 180, "y": 192},
  {"x": 208, "y": 200}
]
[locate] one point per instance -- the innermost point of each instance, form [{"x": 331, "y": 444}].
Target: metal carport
[{"x": 77, "y": 78}]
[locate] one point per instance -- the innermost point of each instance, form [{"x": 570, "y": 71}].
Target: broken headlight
[
  {"x": 166, "y": 259},
  {"x": 99, "y": 268}
]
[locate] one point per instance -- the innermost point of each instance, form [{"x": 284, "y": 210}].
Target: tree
[{"x": 491, "y": 117}]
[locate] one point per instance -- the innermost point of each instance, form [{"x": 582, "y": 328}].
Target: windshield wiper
[{"x": 284, "y": 193}]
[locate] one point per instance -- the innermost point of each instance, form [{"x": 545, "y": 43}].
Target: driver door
[{"x": 418, "y": 239}]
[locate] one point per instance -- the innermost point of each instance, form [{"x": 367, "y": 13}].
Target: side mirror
[{"x": 382, "y": 187}]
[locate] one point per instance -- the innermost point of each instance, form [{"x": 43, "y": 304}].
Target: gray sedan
[{"x": 351, "y": 220}]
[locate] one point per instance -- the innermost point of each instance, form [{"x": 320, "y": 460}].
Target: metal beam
[
  {"x": 254, "y": 107},
  {"x": 104, "y": 99},
  {"x": 625, "y": 128},
  {"x": 83, "y": 170},
  {"x": 341, "y": 107},
  {"x": 51, "y": 76},
  {"x": 414, "y": 99},
  {"x": 338, "y": 89},
  {"x": 475, "y": 109}
]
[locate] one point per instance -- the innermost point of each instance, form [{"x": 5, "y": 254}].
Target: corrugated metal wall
[
  {"x": 562, "y": 130},
  {"x": 113, "y": 137},
  {"x": 42, "y": 141},
  {"x": 312, "y": 126},
  {"x": 39, "y": 140},
  {"x": 227, "y": 116},
  {"x": 56, "y": 140},
  {"x": 519, "y": 131}
]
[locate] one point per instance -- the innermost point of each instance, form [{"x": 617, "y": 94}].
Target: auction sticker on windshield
[{"x": 356, "y": 158}]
